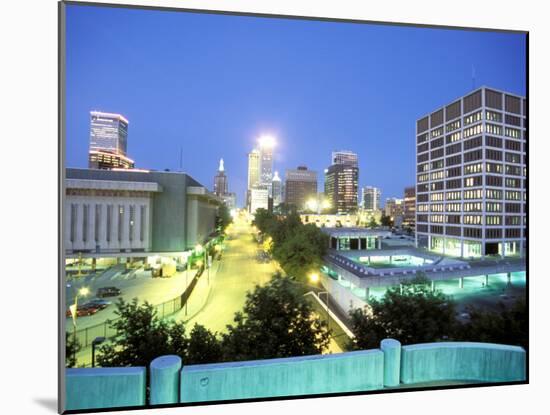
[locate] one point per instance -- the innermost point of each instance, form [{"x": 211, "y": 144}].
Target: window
[
  {"x": 513, "y": 233},
  {"x": 454, "y": 160},
  {"x": 455, "y": 125},
  {"x": 493, "y": 116},
  {"x": 493, "y": 207},
  {"x": 422, "y": 218},
  {"x": 437, "y": 143},
  {"x": 493, "y": 154},
  {"x": 473, "y": 181},
  {"x": 513, "y": 220},
  {"x": 131, "y": 222},
  {"x": 493, "y": 194},
  {"x": 436, "y": 197},
  {"x": 437, "y": 218},
  {"x": 453, "y": 219},
  {"x": 453, "y": 184},
  {"x": 474, "y": 130},
  {"x": 512, "y": 132},
  {"x": 437, "y": 132},
  {"x": 473, "y": 156},
  {"x": 453, "y": 230},
  {"x": 422, "y": 157},
  {"x": 493, "y": 181},
  {"x": 454, "y": 172},
  {"x": 436, "y": 229},
  {"x": 437, "y": 185},
  {"x": 453, "y": 207},
  {"x": 513, "y": 170},
  {"x": 472, "y": 219},
  {"x": 473, "y": 168},
  {"x": 422, "y": 208},
  {"x": 454, "y": 137},
  {"x": 510, "y": 182},
  {"x": 453, "y": 195},
  {"x": 423, "y": 177},
  {"x": 493, "y": 129},
  {"x": 493, "y": 220},
  {"x": 423, "y": 147},
  {"x": 493, "y": 141},
  {"x": 437, "y": 207},
  {"x": 437, "y": 153},
  {"x": 473, "y": 143},
  {"x": 493, "y": 168},
  {"x": 473, "y": 194},
  {"x": 438, "y": 164},
  {"x": 513, "y": 120},
  {"x": 472, "y": 118},
  {"x": 513, "y": 207},
  {"x": 423, "y": 167},
  {"x": 455, "y": 148},
  {"x": 472, "y": 232},
  {"x": 494, "y": 233},
  {"x": 512, "y": 158},
  {"x": 472, "y": 207},
  {"x": 512, "y": 195},
  {"x": 422, "y": 137},
  {"x": 437, "y": 175}
]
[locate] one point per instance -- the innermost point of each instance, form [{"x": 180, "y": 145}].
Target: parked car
[
  {"x": 84, "y": 310},
  {"x": 99, "y": 302},
  {"x": 108, "y": 292}
]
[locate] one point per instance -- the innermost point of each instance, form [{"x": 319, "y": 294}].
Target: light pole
[
  {"x": 96, "y": 342},
  {"x": 84, "y": 291}
]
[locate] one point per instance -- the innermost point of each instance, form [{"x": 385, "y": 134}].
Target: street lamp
[
  {"x": 83, "y": 292},
  {"x": 96, "y": 342},
  {"x": 314, "y": 277}
]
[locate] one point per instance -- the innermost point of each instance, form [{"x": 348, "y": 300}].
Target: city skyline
[{"x": 315, "y": 109}]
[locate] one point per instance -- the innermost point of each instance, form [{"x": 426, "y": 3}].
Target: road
[{"x": 239, "y": 272}]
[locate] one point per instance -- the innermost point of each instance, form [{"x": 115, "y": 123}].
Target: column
[
  {"x": 487, "y": 280},
  {"x": 433, "y": 285},
  {"x": 94, "y": 263},
  {"x": 337, "y": 243},
  {"x": 509, "y": 278},
  {"x": 461, "y": 282},
  {"x": 367, "y": 293},
  {"x": 392, "y": 361},
  {"x": 379, "y": 240},
  {"x": 165, "y": 379}
]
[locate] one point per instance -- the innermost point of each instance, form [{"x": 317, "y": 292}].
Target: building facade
[
  {"x": 129, "y": 213},
  {"x": 277, "y": 189},
  {"x": 300, "y": 186},
  {"x": 253, "y": 174},
  {"x": 108, "y": 141},
  {"x": 259, "y": 199},
  {"x": 220, "y": 181},
  {"x": 371, "y": 198},
  {"x": 409, "y": 207},
  {"x": 341, "y": 181},
  {"x": 345, "y": 157},
  {"x": 471, "y": 176}
]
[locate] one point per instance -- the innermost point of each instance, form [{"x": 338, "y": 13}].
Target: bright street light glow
[
  {"x": 198, "y": 248},
  {"x": 266, "y": 141},
  {"x": 311, "y": 204},
  {"x": 314, "y": 277},
  {"x": 84, "y": 291}
]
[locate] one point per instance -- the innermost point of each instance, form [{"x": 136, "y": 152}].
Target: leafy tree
[
  {"x": 223, "y": 219},
  {"x": 72, "y": 347},
  {"x": 203, "y": 346},
  {"x": 505, "y": 326},
  {"x": 277, "y": 321},
  {"x": 141, "y": 336},
  {"x": 372, "y": 223},
  {"x": 386, "y": 221},
  {"x": 411, "y": 314},
  {"x": 264, "y": 220}
]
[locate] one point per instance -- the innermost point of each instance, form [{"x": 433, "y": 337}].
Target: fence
[
  {"x": 389, "y": 366},
  {"x": 86, "y": 335}
]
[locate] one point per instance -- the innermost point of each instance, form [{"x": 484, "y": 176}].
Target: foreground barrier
[
  {"x": 92, "y": 388},
  {"x": 484, "y": 362},
  {"x": 389, "y": 366}
]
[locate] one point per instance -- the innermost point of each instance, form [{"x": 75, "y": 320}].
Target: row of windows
[{"x": 491, "y": 220}]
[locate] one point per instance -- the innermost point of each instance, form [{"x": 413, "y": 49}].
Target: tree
[
  {"x": 386, "y": 221},
  {"x": 410, "y": 314},
  {"x": 72, "y": 347},
  {"x": 276, "y": 321},
  {"x": 223, "y": 219},
  {"x": 372, "y": 223},
  {"x": 203, "y": 346},
  {"x": 141, "y": 337},
  {"x": 264, "y": 220},
  {"x": 505, "y": 326}
]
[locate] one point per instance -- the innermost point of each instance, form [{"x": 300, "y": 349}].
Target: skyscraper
[
  {"x": 341, "y": 182},
  {"x": 220, "y": 181},
  {"x": 253, "y": 174},
  {"x": 471, "y": 176},
  {"x": 409, "y": 207},
  {"x": 266, "y": 144},
  {"x": 108, "y": 139},
  {"x": 277, "y": 188},
  {"x": 371, "y": 198},
  {"x": 300, "y": 186}
]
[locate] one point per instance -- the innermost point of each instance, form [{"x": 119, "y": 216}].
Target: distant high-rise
[
  {"x": 341, "y": 182},
  {"x": 266, "y": 144},
  {"x": 276, "y": 189},
  {"x": 345, "y": 157},
  {"x": 300, "y": 186},
  {"x": 253, "y": 174},
  {"x": 371, "y": 198},
  {"x": 394, "y": 207},
  {"x": 108, "y": 139},
  {"x": 220, "y": 181},
  {"x": 471, "y": 179},
  {"x": 409, "y": 207}
]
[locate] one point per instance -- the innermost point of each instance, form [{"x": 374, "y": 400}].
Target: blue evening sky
[{"x": 211, "y": 84}]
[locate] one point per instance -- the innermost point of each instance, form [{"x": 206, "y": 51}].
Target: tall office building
[
  {"x": 220, "y": 181},
  {"x": 409, "y": 207},
  {"x": 253, "y": 174},
  {"x": 471, "y": 176},
  {"x": 300, "y": 186},
  {"x": 345, "y": 157},
  {"x": 394, "y": 207},
  {"x": 276, "y": 189},
  {"x": 371, "y": 198},
  {"x": 341, "y": 182},
  {"x": 108, "y": 139},
  {"x": 266, "y": 145}
]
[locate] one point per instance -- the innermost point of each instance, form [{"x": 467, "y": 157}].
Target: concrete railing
[{"x": 388, "y": 366}]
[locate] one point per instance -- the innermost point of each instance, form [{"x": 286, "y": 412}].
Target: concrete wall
[
  {"x": 343, "y": 296},
  {"x": 483, "y": 362},
  {"x": 345, "y": 372},
  {"x": 89, "y": 388},
  {"x": 389, "y": 366}
]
